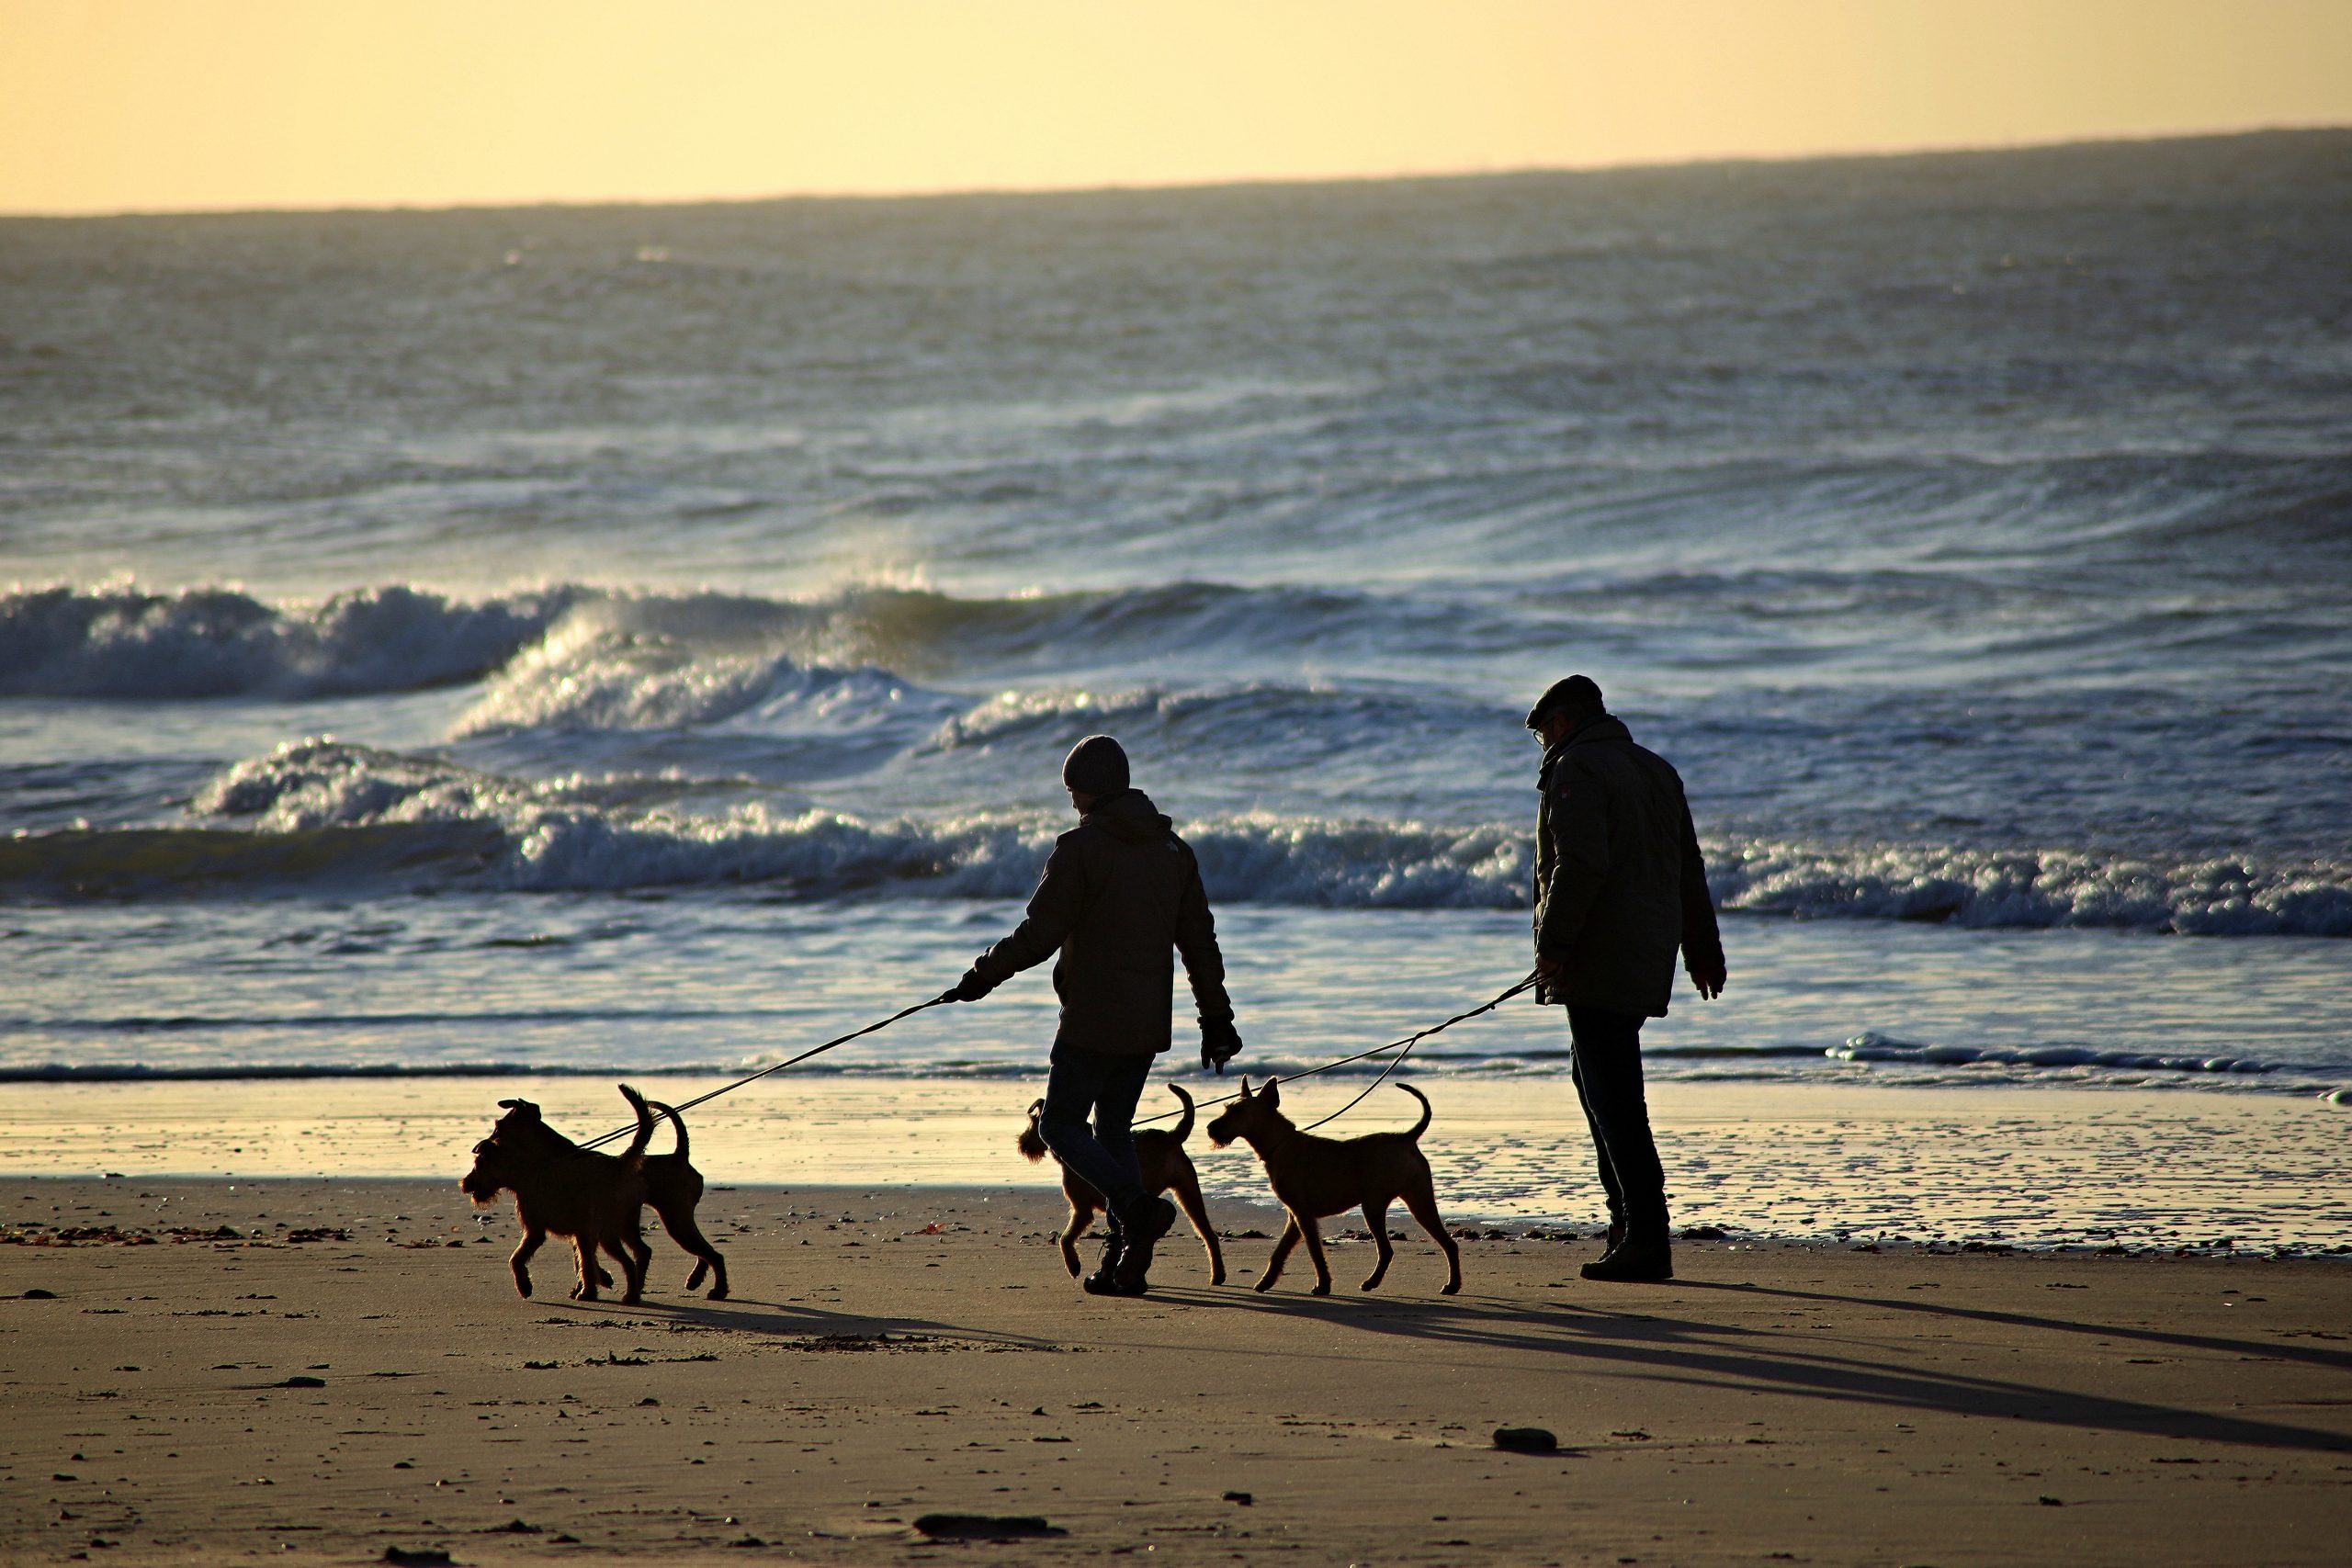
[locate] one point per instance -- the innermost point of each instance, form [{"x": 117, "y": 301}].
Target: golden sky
[{"x": 119, "y": 105}]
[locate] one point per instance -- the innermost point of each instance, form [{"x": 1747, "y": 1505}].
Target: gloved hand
[
  {"x": 970, "y": 988},
  {"x": 1221, "y": 1043}
]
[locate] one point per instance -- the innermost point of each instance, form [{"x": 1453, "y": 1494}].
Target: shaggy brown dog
[
  {"x": 563, "y": 1189},
  {"x": 1166, "y": 1169},
  {"x": 1316, "y": 1178},
  {"x": 672, "y": 1186}
]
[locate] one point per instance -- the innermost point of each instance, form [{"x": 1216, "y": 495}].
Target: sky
[{"x": 168, "y": 105}]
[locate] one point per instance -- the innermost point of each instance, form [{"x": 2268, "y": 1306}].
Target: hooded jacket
[
  {"x": 1121, "y": 895},
  {"x": 1619, "y": 881}
]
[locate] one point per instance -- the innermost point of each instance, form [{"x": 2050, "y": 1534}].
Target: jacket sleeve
[
  {"x": 1702, "y": 942},
  {"x": 1580, "y": 860},
  {"x": 1053, "y": 911},
  {"x": 1196, "y": 943}
]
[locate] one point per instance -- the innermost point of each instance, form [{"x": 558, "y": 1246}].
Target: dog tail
[
  {"x": 1032, "y": 1142},
  {"x": 675, "y": 1121},
  {"x": 1423, "y": 1125},
  {"x": 644, "y": 1135},
  {"x": 1183, "y": 1128}
]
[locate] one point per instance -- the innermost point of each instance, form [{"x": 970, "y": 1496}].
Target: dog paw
[
  {"x": 523, "y": 1288},
  {"x": 1322, "y": 1289},
  {"x": 718, "y": 1293},
  {"x": 1453, "y": 1290},
  {"x": 1263, "y": 1286}
]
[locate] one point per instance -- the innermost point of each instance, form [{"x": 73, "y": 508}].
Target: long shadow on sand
[
  {"x": 1684, "y": 1351},
  {"x": 2334, "y": 1361},
  {"x": 809, "y": 1327}
]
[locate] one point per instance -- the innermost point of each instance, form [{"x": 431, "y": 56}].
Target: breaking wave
[
  {"x": 218, "y": 642},
  {"x": 322, "y": 808},
  {"x": 119, "y": 641}
]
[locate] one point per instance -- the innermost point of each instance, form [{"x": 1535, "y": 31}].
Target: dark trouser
[
  {"x": 1094, "y": 1083},
  {"x": 1605, "y": 1060}
]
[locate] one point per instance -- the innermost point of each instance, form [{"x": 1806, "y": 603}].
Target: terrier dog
[
  {"x": 1315, "y": 1177},
  {"x": 1166, "y": 1169},
  {"x": 561, "y": 1187},
  {"x": 672, "y": 1186}
]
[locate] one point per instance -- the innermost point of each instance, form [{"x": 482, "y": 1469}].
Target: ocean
[{"x": 642, "y": 639}]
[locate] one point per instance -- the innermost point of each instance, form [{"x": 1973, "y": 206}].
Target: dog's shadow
[{"x": 817, "y": 1329}]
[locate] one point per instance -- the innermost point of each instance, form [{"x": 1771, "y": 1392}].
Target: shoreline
[
  {"x": 2031, "y": 1168},
  {"x": 360, "y": 1376}
]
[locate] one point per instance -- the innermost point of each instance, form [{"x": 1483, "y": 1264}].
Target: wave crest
[
  {"x": 615, "y": 833},
  {"x": 121, "y": 642}
]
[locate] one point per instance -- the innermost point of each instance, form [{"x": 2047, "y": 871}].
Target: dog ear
[
  {"x": 1036, "y": 1109},
  {"x": 1271, "y": 1095},
  {"x": 1245, "y": 1087}
]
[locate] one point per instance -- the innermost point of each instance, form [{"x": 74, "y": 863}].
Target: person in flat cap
[
  {"x": 1619, "y": 887},
  {"x": 1120, "y": 892}
]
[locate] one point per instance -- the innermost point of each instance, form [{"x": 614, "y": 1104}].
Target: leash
[
  {"x": 789, "y": 1061},
  {"x": 1403, "y": 1048}
]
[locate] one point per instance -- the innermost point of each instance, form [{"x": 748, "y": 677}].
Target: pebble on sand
[{"x": 983, "y": 1526}]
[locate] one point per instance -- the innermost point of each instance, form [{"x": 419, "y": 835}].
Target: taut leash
[
  {"x": 787, "y": 1062},
  {"x": 1402, "y": 1048}
]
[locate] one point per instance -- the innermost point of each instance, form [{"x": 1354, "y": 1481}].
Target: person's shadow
[{"x": 1710, "y": 1354}]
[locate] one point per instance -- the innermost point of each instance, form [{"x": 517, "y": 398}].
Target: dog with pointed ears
[{"x": 1315, "y": 1177}]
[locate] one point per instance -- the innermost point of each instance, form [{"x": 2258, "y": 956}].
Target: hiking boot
[
  {"x": 1633, "y": 1260},
  {"x": 1143, "y": 1228},
  {"x": 1104, "y": 1281}
]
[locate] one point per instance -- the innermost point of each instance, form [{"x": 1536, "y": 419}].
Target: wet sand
[
  {"x": 2039, "y": 1165},
  {"x": 320, "y": 1372}
]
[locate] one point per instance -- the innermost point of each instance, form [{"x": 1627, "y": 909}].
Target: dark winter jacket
[
  {"x": 1619, "y": 884},
  {"x": 1121, "y": 895}
]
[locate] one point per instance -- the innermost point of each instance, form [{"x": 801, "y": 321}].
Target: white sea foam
[
  {"x": 564, "y": 833},
  {"x": 599, "y": 669}
]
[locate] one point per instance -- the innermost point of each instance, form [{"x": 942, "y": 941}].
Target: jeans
[
  {"x": 1605, "y": 1060},
  {"x": 1106, "y": 1087}
]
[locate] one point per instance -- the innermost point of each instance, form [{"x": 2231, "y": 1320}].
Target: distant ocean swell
[
  {"x": 120, "y": 641},
  {"x": 323, "y": 812}
]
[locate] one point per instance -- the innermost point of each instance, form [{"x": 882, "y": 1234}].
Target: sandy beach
[{"x": 330, "y": 1371}]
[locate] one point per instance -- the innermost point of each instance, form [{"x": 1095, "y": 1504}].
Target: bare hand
[
  {"x": 1709, "y": 981},
  {"x": 1548, "y": 969}
]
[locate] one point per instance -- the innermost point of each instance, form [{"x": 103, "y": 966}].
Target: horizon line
[{"x": 1824, "y": 155}]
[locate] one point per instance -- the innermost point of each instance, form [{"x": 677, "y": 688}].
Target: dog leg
[
  {"x": 1282, "y": 1256},
  {"x": 1376, "y": 1216},
  {"x": 1421, "y": 1199},
  {"x": 683, "y": 1230},
  {"x": 584, "y": 1247},
  {"x": 1187, "y": 1188},
  {"x": 533, "y": 1237},
  {"x": 635, "y": 1259},
  {"x": 1313, "y": 1232},
  {"x": 1081, "y": 1215}
]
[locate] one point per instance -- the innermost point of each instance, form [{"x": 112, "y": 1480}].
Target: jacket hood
[
  {"x": 1128, "y": 815},
  {"x": 1601, "y": 727}
]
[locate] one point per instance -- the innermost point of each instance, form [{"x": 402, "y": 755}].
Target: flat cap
[{"x": 1576, "y": 692}]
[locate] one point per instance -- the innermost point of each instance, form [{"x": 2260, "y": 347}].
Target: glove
[
  {"x": 1221, "y": 1043},
  {"x": 970, "y": 988}
]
